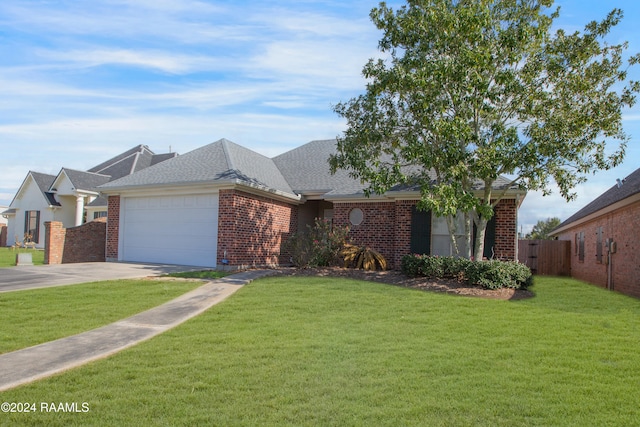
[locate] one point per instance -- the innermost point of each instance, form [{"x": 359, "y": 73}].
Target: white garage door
[{"x": 170, "y": 229}]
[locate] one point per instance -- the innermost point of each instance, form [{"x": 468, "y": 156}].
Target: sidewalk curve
[{"x": 43, "y": 360}]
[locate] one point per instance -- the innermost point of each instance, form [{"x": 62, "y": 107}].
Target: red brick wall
[
  {"x": 378, "y": 228},
  {"x": 251, "y": 228},
  {"x": 387, "y": 227},
  {"x": 506, "y": 215},
  {"x": 54, "y": 236},
  {"x": 623, "y": 226},
  {"x": 84, "y": 243},
  {"x": 3, "y": 235},
  {"x": 113, "y": 227}
]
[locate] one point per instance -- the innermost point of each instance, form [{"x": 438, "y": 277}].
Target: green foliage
[
  {"x": 362, "y": 257},
  {"x": 474, "y": 90},
  {"x": 318, "y": 246},
  {"x": 542, "y": 229},
  {"x": 492, "y": 274},
  {"x": 496, "y": 274}
]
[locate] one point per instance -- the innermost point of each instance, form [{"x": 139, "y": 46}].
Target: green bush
[
  {"x": 318, "y": 246},
  {"x": 488, "y": 274}
]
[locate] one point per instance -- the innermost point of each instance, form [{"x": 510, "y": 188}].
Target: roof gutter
[{"x": 161, "y": 189}]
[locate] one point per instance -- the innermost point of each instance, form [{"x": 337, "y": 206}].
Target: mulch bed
[{"x": 451, "y": 286}]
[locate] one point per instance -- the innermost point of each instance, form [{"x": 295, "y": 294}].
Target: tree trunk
[
  {"x": 481, "y": 228},
  {"x": 451, "y": 225}
]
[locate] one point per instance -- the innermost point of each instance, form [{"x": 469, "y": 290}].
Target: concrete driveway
[{"x": 43, "y": 276}]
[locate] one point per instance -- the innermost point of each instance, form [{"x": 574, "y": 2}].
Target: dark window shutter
[
  {"x": 490, "y": 238},
  {"x": 420, "y": 231}
]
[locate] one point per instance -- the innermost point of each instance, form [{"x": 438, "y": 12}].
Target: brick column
[
  {"x": 113, "y": 228},
  {"x": 54, "y": 237}
]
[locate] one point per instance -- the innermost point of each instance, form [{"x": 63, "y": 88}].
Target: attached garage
[{"x": 172, "y": 229}]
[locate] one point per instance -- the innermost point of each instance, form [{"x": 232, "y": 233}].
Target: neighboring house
[
  {"x": 605, "y": 238},
  {"x": 71, "y": 196},
  {"x": 3, "y": 220},
  {"x": 3, "y": 227},
  {"x": 223, "y": 204}
]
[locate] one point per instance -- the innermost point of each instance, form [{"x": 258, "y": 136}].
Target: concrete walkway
[{"x": 33, "y": 363}]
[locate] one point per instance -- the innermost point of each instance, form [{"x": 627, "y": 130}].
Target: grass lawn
[
  {"x": 40, "y": 315},
  {"x": 325, "y": 351},
  {"x": 8, "y": 256}
]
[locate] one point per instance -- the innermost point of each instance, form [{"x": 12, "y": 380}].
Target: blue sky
[{"x": 83, "y": 81}]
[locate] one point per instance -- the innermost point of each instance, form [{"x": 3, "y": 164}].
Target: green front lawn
[
  {"x": 40, "y": 315},
  {"x": 8, "y": 256},
  {"x": 326, "y": 351}
]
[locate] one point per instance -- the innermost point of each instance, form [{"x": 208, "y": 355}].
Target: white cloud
[{"x": 162, "y": 61}]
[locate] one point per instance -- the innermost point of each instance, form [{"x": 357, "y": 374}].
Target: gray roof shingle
[
  {"x": 304, "y": 170},
  {"x": 85, "y": 180},
  {"x": 132, "y": 160},
  {"x": 221, "y": 161},
  {"x": 307, "y": 170},
  {"x": 630, "y": 186}
]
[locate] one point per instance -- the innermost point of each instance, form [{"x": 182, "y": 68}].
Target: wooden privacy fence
[{"x": 546, "y": 257}]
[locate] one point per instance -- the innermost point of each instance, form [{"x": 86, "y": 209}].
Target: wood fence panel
[{"x": 546, "y": 257}]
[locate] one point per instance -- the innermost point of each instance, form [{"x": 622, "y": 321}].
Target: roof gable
[
  {"x": 78, "y": 180},
  {"x": 42, "y": 181}
]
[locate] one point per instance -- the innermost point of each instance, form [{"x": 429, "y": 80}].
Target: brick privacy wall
[
  {"x": 252, "y": 228},
  {"x": 3, "y": 235},
  {"x": 113, "y": 228},
  {"x": 623, "y": 225},
  {"x": 386, "y": 228},
  {"x": 84, "y": 243}
]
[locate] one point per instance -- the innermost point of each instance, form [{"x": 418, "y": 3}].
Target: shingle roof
[
  {"x": 85, "y": 180},
  {"x": 304, "y": 170},
  {"x": 307, "y": 170},
  {"x": 629, "y": 187},
  {"x": 133, "y": 160},
  {"x": 221, "y": 161},
  {"x": 43, "y": 180}
]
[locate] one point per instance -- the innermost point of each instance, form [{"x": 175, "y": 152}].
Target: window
[
  {"x": 580, "y": 246},
  {"x": 441, "y": 240},
  {"x": 599, "y": 233},
  {"x": 101, "y": 214},
  {"x": 356, "y": 216},
  {"x": 32, "y": 226}
]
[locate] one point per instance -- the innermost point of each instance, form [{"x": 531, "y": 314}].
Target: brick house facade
[
  {"x": 255, "y": 203},
  {"x": 387, "y": 227},
  {"x": 252, "y": 228},
  {"x": 605, "y": 238},
  {"x": 591, "y": 259}
]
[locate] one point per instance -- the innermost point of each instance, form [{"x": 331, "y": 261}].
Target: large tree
[
  {"x": 469, "y": 90},
  {"x": 542, "y": 230}
]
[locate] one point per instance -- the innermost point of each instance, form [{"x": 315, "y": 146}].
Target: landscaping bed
[{"x": 451, "y": 286}]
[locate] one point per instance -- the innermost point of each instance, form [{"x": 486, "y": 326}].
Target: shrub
[
  {"x": 362, "y": 257},
  {"x": 318, "y": 246},
  {"x": 488, "y": 274},
  {"x": 496, "y": 274}
]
